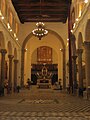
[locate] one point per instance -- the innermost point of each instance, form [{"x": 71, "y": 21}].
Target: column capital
[
  {"x": 72, "y": 37},
  {"x": 3, "y": 51},
  {"x": 10, "y": 57},
  {"x": 74, "y": 57},
  {"x": 87, "y": 45},
  {"x": 16, "y": 61},
  {"x": 23, "y": 50},
  {"x": 79, "y": 51}
]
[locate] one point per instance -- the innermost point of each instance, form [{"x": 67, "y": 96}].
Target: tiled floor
[
  {"x": 43, "y": 104},
  {"x": 44, "y": 116}
]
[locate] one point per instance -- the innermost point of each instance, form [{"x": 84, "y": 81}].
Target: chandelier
[{"x": 40, "y": 31}]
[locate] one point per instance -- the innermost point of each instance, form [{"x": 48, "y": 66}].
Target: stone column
[
  {"x": 79, "y": 52},
  {"x": 3, "y": 52},
  {"x": 15, "y": 75},
  {"x": 10, "y": 73},
  {"x": 22, "y": 67},
  {"x": 64, "y": 70},
  {"x": 74, "y": 74},
  {"x": 87, "y": 61}
]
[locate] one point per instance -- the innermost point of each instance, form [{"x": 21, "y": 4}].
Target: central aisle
[{"x": 43, "y": 104}]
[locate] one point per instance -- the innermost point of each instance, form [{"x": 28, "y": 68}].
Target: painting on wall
[{"x": 44, "y": 54}]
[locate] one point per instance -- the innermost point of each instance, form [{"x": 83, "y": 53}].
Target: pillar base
[
  {"x": 1, "y": 91},
  {"x": 86, "y": 94}
]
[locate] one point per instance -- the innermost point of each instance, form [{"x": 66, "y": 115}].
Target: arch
[
  {"x": 23, "y": 53},
  {"x": 15, "y": 53},
  {"x": 50, "y": 31},
  {"x": 9, "y": 48},
  {"x": 87, "y": 31},
  {"x": 2, "y": 40},
  {"x": 80, "y": 41}
]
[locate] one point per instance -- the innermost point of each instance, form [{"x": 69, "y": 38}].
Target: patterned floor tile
[{"x": 37, "y": 104}]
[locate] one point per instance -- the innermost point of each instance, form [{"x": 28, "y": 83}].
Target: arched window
[
  {"x": 10, "y": 17},
  {"x": 16, "y": 27},
  {"x": 3, "y": 7},
  {"x": 81, "y": 7}
]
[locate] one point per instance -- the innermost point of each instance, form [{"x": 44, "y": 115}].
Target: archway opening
[{"x": 31, "y": 43}]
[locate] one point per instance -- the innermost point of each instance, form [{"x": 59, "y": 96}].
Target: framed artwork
[{"x": 44, "y": 54}]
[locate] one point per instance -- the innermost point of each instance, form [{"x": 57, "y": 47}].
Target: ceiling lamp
[
  {"x": 86, "y": 1},
  {"x": 40, "y": 31}
]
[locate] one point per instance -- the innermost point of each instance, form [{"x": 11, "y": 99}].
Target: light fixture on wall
[{"x": 40, "y": 31}]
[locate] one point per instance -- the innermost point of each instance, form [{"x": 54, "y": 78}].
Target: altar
[
  {"x": 44, "y": 83},
  {"x": 46, "y": 74}
]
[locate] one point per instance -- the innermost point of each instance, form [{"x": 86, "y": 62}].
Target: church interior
[
  {"x": 44, "y": 59},
  {"x": 47, "y": 42}
]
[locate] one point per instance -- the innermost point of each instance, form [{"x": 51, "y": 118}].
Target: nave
[{"x": 56, "y": 49}]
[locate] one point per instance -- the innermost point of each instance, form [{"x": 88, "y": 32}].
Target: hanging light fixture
[{"x": 40, "y": 31}]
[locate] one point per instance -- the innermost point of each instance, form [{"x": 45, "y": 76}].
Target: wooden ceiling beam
[
  {"x": 44, "y": 20},
  {"x": 43, "y": 9},
  {"x": 47, "y": 10},
  {"x": 43, "y": 4},
  {"x": 43, "y": 15}
]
